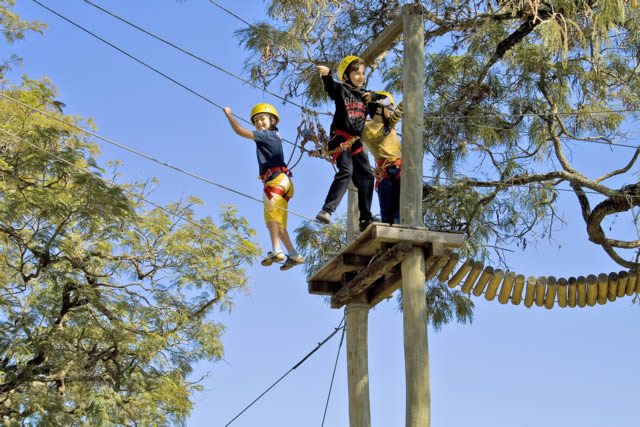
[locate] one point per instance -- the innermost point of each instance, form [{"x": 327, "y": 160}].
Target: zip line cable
[
  {"x": 153, "y": 159},
  {"x": 203, "y": 60},
  {"x": 139, "y": 61},
  {"x": 231, "y": 13},
  {"x": 131, "y": 193},
  {"x": 333, "y": 376},
  {"x": 428, "y": 117},
  {"x": 320, "y": 344}
]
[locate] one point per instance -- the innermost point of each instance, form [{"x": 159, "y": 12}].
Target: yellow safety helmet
[
  {"x": 345, "y": 64},
  {"x": 264, "y": 108},
  {"x": 388, "y": 95}
]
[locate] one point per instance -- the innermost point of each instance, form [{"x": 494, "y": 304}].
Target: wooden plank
[
  {"x": 373, "y": 272},
  {"x": 550, "y": 297},
  {"x": 462, "y": 271},
  {"x": 319, "y": 287},
  {"x": 631, "y": 283},
  {"x": 385, "y": 288},
  {"x": 451, "y": 264},
  {"x": 482, "y": 281},
  {"x": 573, "y": 291},
  {"x": 415, "y": 236},
  {"x": 582, "y": 291},
  {"x": 623, "y": 278},
  {"x": 494, "y": 282},
  {"x": 436, "y": 266},
  {"x": 612, "y": 288},
  {"x": 562, "y": 292},
  {"x": 353, "y": 262},
  {"x": 507, "y": 285},
  {"x": 476, "y": 269},
  {"x": 384, "y": 41},
  {"x": 592, "y": 290},
  {"x": 530, "y": 292},
  {"x": 541, "y": 287},
  {"x": 603, "y": 288},
  {"x": 516, "y": 295}
]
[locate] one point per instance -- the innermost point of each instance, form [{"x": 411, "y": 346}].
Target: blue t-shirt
[{"x": 269, "y": 150}]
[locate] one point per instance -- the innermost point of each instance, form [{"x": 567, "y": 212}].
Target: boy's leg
[
  {"x": 363, "y": 179},
  {"x": 395, "y": 201},
  {"x": 340, "y": 182},
  {"x": 385, "y": 196}
]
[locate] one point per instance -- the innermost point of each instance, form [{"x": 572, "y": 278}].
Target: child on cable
[
  {"x": 380, "y": 137},
  {"x": 278, "y": 188},
  {"x": 344, "y": 141}
]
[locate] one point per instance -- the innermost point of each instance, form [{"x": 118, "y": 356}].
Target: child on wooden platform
[
  {"x": 344, "y": 140},
  {"x": 380, "y": 137},
  {"x": 278, "y": 188}
]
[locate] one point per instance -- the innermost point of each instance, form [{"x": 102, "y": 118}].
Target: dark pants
[
  {"x": 351, "y": 168},
  {"x": 389, "y": 196}
]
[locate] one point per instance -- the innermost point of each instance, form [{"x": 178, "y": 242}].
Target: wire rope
[
  {"x": 139, "y": 61},
  {"x": 153, "y": 159},
  {"x": 335, "y": 365},
  {"x": 217, "y": 67},
  {"x": 320, "y": 344},
  {"x": 131, "y": 193}
]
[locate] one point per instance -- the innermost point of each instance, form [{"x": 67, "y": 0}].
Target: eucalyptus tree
[
  {"x": 513, "y": 90},
  {"x": 107, "y": 299}
]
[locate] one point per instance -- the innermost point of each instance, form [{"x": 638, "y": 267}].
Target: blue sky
[{"x": 512, "y": 367}]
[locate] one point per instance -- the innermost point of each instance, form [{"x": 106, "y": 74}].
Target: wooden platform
[{"x": 370, "y": 265}]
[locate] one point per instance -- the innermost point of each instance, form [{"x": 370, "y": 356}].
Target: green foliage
[
  {"x": 105, "y": 302},
  {"x": 509, "y": 86},
  {"x": 319, "y": 243},
  {"x": 12, "y": 27}
]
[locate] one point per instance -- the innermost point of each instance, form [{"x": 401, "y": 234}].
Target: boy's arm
[
  {"x": 397, "y": 114},
  {"x": 327, "y": 80},
  {"x": 237, "y": 128}
]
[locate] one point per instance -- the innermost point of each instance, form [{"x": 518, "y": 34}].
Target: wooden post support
[
  {"x": 482, "y": 281},
  {"x": 623, "y": 277},
  {"x": 603, "y": 288},
  {"x": 550, "y": 298},
  {"x": 592, "y": 290},
  {"x": 494, "y": 282},
  {"x": 356, "y": 315},
  {"x": 582, "y": 290},
  {"x": 416, "y": 352},
  {"x": 476, "y": 269},
  {"x": 613, "y": 286},
  {"x": 631, "y": 283},
  {"x": 516, "y": 296},
  {"x": 573, "y": 291},
  {"x": 541, "y": 286},
  {"x": 562, "y": 292},
  {"x": 507, "y": 285},
  {"x": 457, "y": 277},
  {"x": 530, "y": 292}
]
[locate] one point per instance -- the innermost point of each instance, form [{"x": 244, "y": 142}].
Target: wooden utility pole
[
  {"x": 356, "y": 315},
  {"x": 414, "y": 307}
]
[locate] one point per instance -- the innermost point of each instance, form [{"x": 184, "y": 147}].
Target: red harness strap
[
  {"x": 277, "y": 190},
  {"x": 382, "y": 166},
  {"x": 345, "y": 144},
  {"x": 271, "y": 171}
]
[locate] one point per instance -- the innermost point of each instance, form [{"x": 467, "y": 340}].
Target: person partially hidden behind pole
[{"x": 380, "y": 137}]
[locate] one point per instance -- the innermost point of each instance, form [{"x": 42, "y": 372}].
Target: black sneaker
[{"x": 364, "y": 224}]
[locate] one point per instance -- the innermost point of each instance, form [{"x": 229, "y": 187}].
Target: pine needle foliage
[{"x": 512, "y": 89}]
